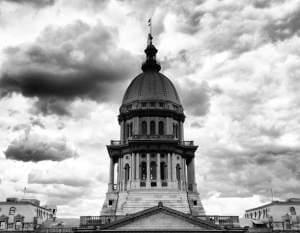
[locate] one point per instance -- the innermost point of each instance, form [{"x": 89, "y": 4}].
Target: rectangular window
[
  {"x": 152, "y": 104},
  {"x": 110, "y": 202},
  {"x": 195, "y": 202},
  {"x": 144, "y": 104}
]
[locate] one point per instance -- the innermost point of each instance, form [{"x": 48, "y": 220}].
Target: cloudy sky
[{"x": 64, "y": 66}]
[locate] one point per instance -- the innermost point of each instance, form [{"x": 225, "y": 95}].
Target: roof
[
  {"x": 291, "y": 201},
  {"x": 151, "y": 85},
  {"x": 156, "y": 209}
]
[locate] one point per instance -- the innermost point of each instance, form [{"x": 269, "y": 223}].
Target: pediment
[{"x": 162, "y": 218}]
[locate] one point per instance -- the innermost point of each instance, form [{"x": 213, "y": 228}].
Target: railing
[
  {"x": 55, "y": 230},
  {"x": 116, "y": 142},
  {"x": 97, "y": 220},
  {"x": 154, "y": 136},
  {"x": 151, "y": 137},
  {"x": 187, "y": 143},
  {"x": 221, "y": 220}
]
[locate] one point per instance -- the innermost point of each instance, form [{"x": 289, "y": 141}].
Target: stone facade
[{"x": 25, "y": 214}]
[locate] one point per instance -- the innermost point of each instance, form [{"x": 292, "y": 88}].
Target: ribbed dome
[{"x": 151, "y": 85}]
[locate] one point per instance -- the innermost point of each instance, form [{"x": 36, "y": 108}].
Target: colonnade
[{"x": 152, "y": 170}]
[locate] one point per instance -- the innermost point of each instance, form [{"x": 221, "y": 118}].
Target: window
[
  {"x": 161, "y": 105},
  {"x": 152, "y": 127},
  {"x": 175, "y": 130},
  {"x": 161, "y": 128},
  {"x": 129, "y": 107},
  {"x": 12, "y": 210},
  {"x": 152, "y": 104},
  {"x": 110, "y": 202},
  {"x": 127, "y": 130},
  {"x": 143, "y": 171},
  {"x": 127, "y": 172},
  {"x": 153, "y": 170},
  {"x": 195, "y": 202},
  {"x": 130, "y": 129},
  {"x": 144, "y": 128},
  {"x": 144, "y": 104},
  {"x": 292, "y": 210},
  {"x": 178, "y": 172},
  {"x": 163, "y": 171}
]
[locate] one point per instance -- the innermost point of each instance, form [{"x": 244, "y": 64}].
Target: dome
[{"x": 151, "y": 86}]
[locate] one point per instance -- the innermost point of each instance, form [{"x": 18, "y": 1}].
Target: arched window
[
  {"x": 163, "y": 171},
  {"x": 127, "y": 130},
  {"x": 127, "y": 172},
  {"x": 12, "y": 210},
  {"x": 178, "y": 172},
  {"x": 144, "y": 128},
  {"x": 153, "y": 170},
  {"x": 130, "y": 130},
  {"x": 293, "y": 210},
  {"x": 143, "y": 173},
  {"x": 152, "y": 127},
  {"x": 161, "y": 128},
  {"x": 175, "y": 130}
]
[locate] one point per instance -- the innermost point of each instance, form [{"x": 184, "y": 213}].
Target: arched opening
[
  {"x": 144, "y": 127},
  {"x": 153, "y": 170},
  {"x": 163, "y": 171},
  {"x": 12, "y": 210},
  {"x": 127, "y": 172},
  {"x": 130, "y": 130},
  {"x": 175, "y": 130},
  {"x": 161, "y": 128},
  {"x": 178, "y": 172},
  {"x": 143, "y": 171},
  {"x": 293, "y": 210},
  {"x": 152, "y": 127}
]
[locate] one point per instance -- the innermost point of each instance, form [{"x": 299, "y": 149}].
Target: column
[
  {"x": 133, "y": 169},
  {"x": 182, "y": 173},
  {"x": 169, "y": 170},
  {"x": 158, "y": 171},
  {"x": 111, "y": 175},
  {"x": 193, "y": 174},
  {"x": 118, "y": 175},
  {"x": 137, "y": 169},
  {"x": 148, "y": 171},
  {"x": 181, "y": 133},
  {"x": 174, "y": 168}
]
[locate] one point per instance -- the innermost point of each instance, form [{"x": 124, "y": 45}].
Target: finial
[
  {"x": 160, "y": 204},
  {"x": 150, "y": 37},
  {"x": 150, "y": 64}
]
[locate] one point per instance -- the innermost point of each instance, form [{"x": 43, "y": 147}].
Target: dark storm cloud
[
  {"x": 196, "y": 98},
  {"x": 35, "y": 3},
  {"x": 75, "y": 61},
  {"x": 36, "y": 148}
]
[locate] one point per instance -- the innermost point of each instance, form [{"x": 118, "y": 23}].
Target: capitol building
[{"x": 152, "y": 185}]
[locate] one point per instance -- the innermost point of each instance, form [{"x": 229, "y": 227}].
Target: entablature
[{"x": 185, "y": 148}]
